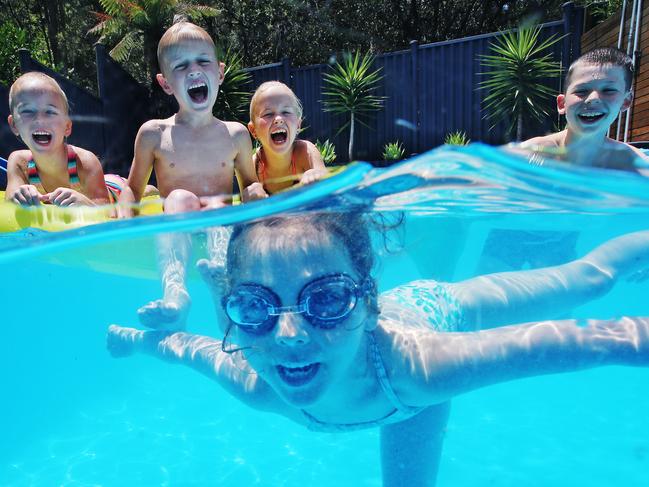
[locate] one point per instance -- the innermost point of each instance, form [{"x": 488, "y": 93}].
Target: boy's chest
[{"x": 195, "y": 150}]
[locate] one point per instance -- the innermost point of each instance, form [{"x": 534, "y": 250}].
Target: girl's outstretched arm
[
  {"x": 201, "y": 353},
  {"x": 449, "y": 364},
  {"x": 514, "y": 297}
]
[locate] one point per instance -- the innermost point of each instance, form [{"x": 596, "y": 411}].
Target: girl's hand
[
  {"x": 66, "y": 197},
  {"x": 313, "y": 175},
  {"x": 26, "y": 194},
  {"x": 253, "y": 192}
]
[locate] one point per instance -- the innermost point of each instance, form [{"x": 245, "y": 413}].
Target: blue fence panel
[{"x": 125, "y": 106}]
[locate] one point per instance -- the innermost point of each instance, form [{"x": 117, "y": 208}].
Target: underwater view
[{"x": 82, "y": 407}]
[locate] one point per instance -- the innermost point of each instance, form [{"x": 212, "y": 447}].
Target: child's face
[
  {"x": 40, "y": 117},
  {"x": 303, "y": 362},
  {"x": 594, "y": 98},
  {"x": 275, "y": 122},
  {"x": 192, "y": 74}
]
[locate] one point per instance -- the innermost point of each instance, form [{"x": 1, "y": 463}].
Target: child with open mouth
[
  {"x": 283, "y": 160},
  {"x": 50, "y": 170}
]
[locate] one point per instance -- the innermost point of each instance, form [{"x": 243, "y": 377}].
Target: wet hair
[
  {"x": 179, "y": 32},
  {"x": 34, "y": 76},
  {"x": 603, "y": 56},
  {"x": 348, "y": 229},
  {"x": 267, "y": 85}
]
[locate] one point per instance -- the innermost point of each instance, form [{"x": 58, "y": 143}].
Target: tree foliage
[{"x": 518, "y": 66}]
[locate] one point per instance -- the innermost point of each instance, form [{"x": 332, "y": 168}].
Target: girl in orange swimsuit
[
  {"x": 50, "y": 170},
  {"x": 282, "y": 160}
]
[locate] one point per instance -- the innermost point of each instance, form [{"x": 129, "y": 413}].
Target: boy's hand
[
  {"x": 66, "y": 197},
  {"x": 26, "y": 194},
  {"x": 253, "y": 192},
  {"x": 313, "y": 175}
]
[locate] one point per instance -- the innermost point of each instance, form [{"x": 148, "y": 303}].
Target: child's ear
[
  {"x": 251, "y": 128},
  {"x": 163, "y": 84},
  {"x": 561, "y": 104},
  {"x": 628, "y": 99},
  {"x": 68, "y": 128},
  {"x": 12, "y": 125},
  {"x": 221, "y": 72}
]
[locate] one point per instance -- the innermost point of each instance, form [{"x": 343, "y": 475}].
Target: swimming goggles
[{"x": 324, "y": 302}]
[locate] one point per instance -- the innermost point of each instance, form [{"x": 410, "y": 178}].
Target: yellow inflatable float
[{"x": 53, "y": 218}]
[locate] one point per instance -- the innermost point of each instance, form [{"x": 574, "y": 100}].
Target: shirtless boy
[
  {"x": 597, "y": 90},
  {"x": 194, "y": 155}
]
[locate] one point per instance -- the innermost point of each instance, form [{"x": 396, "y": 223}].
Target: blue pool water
[{"x": 70, "y": 415}]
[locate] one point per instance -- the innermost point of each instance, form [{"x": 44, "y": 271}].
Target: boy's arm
[
  {"x": 515, "y": 297},
  {"x": 455, "y": 363},
  {"x": 251, "y": 188},
  {"x": 146, "y": 143},
  {"x": 18, "y": 188}
]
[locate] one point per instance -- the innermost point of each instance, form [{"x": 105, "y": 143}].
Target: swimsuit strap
[
  {"x": 73, "y": 175},
  {"x": 261, "y": 165},
  {"x": 384, "y": 380},
  {"x": 399, "y": 413}
]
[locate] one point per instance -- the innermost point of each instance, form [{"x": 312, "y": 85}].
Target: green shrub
[
  {"x": 458, "y": 137},
  {"x": 327, "y": 150},
  {"x": 393, "y": 151}
]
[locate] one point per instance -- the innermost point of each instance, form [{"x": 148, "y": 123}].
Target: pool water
[{"x": 71, "y": 415}]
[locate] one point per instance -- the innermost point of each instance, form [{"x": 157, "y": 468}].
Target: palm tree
[
  {"x": 142, "y": 21},
  {"x": 350, "y": 91},
  {"x": 518, "y": 68}
]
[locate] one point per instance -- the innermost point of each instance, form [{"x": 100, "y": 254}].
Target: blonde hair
[
  {"x": 265, "y": 86},
  {"x": 35, "y": 76},
  {"x": 179, "y": 32}
]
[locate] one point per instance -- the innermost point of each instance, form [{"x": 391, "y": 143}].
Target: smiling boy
[
  {"x": 195, "y": 157},
  {"x": 597, "y": 90}
]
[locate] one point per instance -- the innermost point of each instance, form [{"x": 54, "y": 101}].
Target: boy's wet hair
[
  {"x": 35, "y": 76},
  {"x": 269, "y": 84},
  {"x": 348, "y": 229},
  {"x": 181, "y": 31},
  {"x": 604, "y": 56}
]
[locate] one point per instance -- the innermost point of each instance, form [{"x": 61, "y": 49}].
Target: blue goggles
[{"x": 324, "y": 302}]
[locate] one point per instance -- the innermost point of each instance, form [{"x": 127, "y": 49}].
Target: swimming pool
[{"x": 72, "y": 415}]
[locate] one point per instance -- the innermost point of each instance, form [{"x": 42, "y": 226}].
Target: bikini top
[
  {"x": 34, "y": 178},
  {"x": 401, "y": 412},
  {"x": 405, "y": 303},
  {"x": 261, "y": 166}
]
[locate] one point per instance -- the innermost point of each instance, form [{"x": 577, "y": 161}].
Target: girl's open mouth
[
  {"x": 41, "y": 137},
  {"x": 198, "y": 92},
  {"x": 298, "y": 376},
  {"x": 280, "y": 136}
]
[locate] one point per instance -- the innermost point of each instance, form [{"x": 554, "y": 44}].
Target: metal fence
[{"x": 430, "y": 90}]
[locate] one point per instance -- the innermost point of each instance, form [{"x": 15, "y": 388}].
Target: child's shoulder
[
  {"x": 236, "y": 129},
  {"x": 156, "y": 125},
  {"x": 85, "y": 156},
  {"x": 20, "y": 157},
  {"x": 621, "y": 155},
  {"x": 550, "y": 140}
]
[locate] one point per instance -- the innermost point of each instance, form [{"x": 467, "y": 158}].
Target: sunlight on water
[{"x": 72, "y": 415}]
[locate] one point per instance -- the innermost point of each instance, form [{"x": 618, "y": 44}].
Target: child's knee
[{"x": 180, "y": 201}]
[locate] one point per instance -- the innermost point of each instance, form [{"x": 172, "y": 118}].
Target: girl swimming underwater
[{"x": 308, "y": 336}]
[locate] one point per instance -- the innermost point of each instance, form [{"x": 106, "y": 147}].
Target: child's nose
[
  {"x": 291, "y": 330},
  {"x": 593, "y": 96}
]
